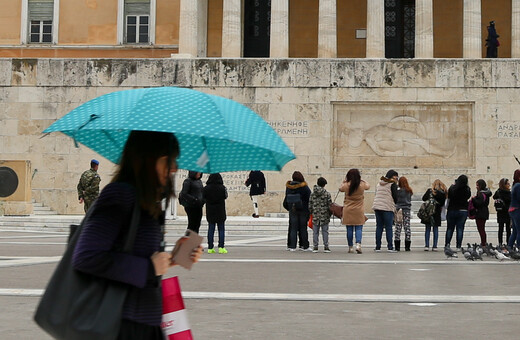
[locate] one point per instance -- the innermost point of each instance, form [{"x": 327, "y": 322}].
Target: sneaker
[
  {"x": 459, "y": 250},
  {"x": 255, "y": 216},
  {"x": 307, "y": 249},
  {"x": 292, "y": 249},
  {"x": 434, "y": 249},
  {"x": 358, "y": 248},
  {"x": 392, "y": 251},
  {"x": 222, "y": 250},
  {"x": 211, "y": 251},
  {"x": 426, "y": 249},
  {"x": 377, "y": 250},
  {"x": 315, "y": 249},
  {"x": 350, "y": 249},
  {"x": 327, "y": 250}
]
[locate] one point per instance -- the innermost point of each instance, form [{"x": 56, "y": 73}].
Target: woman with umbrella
[{"x": 147, "y": 162}]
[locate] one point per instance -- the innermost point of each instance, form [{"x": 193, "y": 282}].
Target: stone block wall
[{"x": 335, "y": 114}]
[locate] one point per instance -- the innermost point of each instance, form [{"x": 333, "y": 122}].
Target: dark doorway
[
  {"x": 257, "y": 26},
  {"x": 399, "y": 28}
]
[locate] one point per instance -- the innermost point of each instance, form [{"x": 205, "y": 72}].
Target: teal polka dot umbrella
[{"x": 215, "y": 134}]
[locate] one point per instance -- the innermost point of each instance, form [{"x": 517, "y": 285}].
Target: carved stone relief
[{"x": 424, "y": 135}]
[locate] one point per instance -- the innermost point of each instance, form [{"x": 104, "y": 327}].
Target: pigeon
[
  {"x": 475, "y": 254},
  {"x": 488, "y": 250},
  {"x": 515, "y": 255},
  {"x": 449, "y": 252},
  {"x": 467, "y": 256},
  {"x": 501, "y": 257}
]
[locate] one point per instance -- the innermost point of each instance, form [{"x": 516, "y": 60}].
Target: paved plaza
[{"x": 260, "y": 291}]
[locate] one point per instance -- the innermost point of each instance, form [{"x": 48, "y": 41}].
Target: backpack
[
  {"x": 472, "y": 210},
  {"x": 294, "y": 201},
  {"x": 427, "y": 210},
  {"x": 500, "y": 205}
]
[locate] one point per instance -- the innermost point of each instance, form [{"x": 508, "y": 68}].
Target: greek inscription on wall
[
  {"x": 234, "y": 181},
  {"x": 290, "y": 128},
  {"x": 508, "y": 129},
  {"x": 425, "y": 135}
]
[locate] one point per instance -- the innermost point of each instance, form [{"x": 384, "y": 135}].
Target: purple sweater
[{"x": 97, "y": 252}]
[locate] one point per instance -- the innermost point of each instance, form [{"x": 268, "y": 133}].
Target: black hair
[
  {"x": 322, "y": 182},
  {"x": 215, "y": 179},
  {"x": 481, "y": 184},
  {"x": 298, "y": 177},
  {"x": 137, "y": 166},
  {"x": 354, "y": 177}
]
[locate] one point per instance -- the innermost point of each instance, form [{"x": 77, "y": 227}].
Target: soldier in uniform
[{"x": 88, "y": 186}]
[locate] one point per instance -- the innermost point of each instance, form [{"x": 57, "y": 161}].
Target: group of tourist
[{"x": 392, "y": 207}]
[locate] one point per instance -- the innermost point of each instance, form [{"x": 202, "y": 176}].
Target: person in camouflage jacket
[
  {"x": 319, "y": 204},
  {"x": 88, "y": 186}
]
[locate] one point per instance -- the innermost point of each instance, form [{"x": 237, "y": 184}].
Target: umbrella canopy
[{"x": 215, "y": 134}]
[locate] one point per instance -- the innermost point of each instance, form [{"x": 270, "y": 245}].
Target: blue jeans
[
  {"x": 455, "y": 219},
  {"x": 384, "y": 219},
  {"x": 211, "y": 233},
  {"x": 350, "y": 234},
  {"x": 515, "y": 234},
  {"x": 427, "y": 236},
  {"x": 298, "y": 227}
]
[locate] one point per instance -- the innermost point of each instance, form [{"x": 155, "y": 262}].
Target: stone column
[
  {"x": 472, "y": 31},
  {"x": 232, "y": 29},
  {"x": 193, "y": 28},
  {"x": 515, "y": 29},
  {"x": 279, "y": 36},
  {"x": 327, "y": 39},
  {"x": 375, "y": 29},
  {"x": 423, "y": 28}
]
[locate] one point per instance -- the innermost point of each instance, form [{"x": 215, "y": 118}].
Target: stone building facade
[{"x": 427, "y": 119}]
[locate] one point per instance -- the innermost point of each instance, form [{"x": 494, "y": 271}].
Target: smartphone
[{"x": 181, "y": 253}]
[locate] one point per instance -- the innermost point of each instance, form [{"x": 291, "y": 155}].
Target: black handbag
[{"x": 80, "y": 306}]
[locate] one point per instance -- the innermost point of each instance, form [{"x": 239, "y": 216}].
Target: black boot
[
  {"x": 407, "y": 245},
  {"x": 397, "y": 245}
]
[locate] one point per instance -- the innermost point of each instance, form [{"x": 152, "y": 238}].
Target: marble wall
[{"x": 428, "y": 119}]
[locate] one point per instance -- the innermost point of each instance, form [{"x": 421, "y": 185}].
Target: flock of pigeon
[{"x": 475, "y": 252}]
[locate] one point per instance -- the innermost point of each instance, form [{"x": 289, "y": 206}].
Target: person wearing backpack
[
  {"x": 502, "y": 199},
  {"x": 458, "y": 194},
  {"x": 481, "y": 203},
  {"x": 215, "y": 195},
  {"x": 439, "y": 192},
  {"x": 384, "y": 207},
  {"x": 296, "y": 202}
]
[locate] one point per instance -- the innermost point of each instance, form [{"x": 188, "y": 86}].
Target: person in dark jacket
[
  {"x": 481, "y": 203},
  {"x": 215, "y": 194},
  {"x": 514, "y": 211},
  {"x": 439, "y": 192},
  {"x": 458, "y": 194},
  {"x": 502, "y": 199},
  {"x": 144, "y": 175},
  {"x": 256, "y": 181},
  {"x": 492, "y": 41},
  {"x": 296, "y": 201},
  {"x": 192, "y": 200}
]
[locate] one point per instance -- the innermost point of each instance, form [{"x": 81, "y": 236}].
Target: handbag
[
  {"x": 81, "y": 306},
  {"x": 309, "y": 223},
  {"x": 336, "y": 209},
  {"x": 174, "y": 323}
]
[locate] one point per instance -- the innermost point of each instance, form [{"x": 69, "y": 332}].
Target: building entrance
[
  {"x": 257, "y": 23},
  {"x": 399, "y": 28}
]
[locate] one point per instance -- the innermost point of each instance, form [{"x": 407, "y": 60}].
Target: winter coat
[
  {"x": 386, "y": 195},
  {"x": 256, "y": 180},
  {"x": 319, "y": 203},
  {"x": 440, "y": 198},
  {"x": 459, "y": 196},
  {"x": 191, "y": 193},
  {"x": 481, "y": 204},
  {"x": 293, "y": 187},
  {"x": 404, "y": 199},
  {"x": 353, "y": 205},
  {"x": 504, "y": 195},
  {"x": 215, "y": 194}
]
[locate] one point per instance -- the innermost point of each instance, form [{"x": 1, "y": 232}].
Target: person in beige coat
[
  {"x": 384, "y": 207},
  {"x": 353, "y": 207}
]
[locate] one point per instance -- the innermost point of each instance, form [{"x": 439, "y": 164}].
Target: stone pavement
[{"x": 258, "y": 290}]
